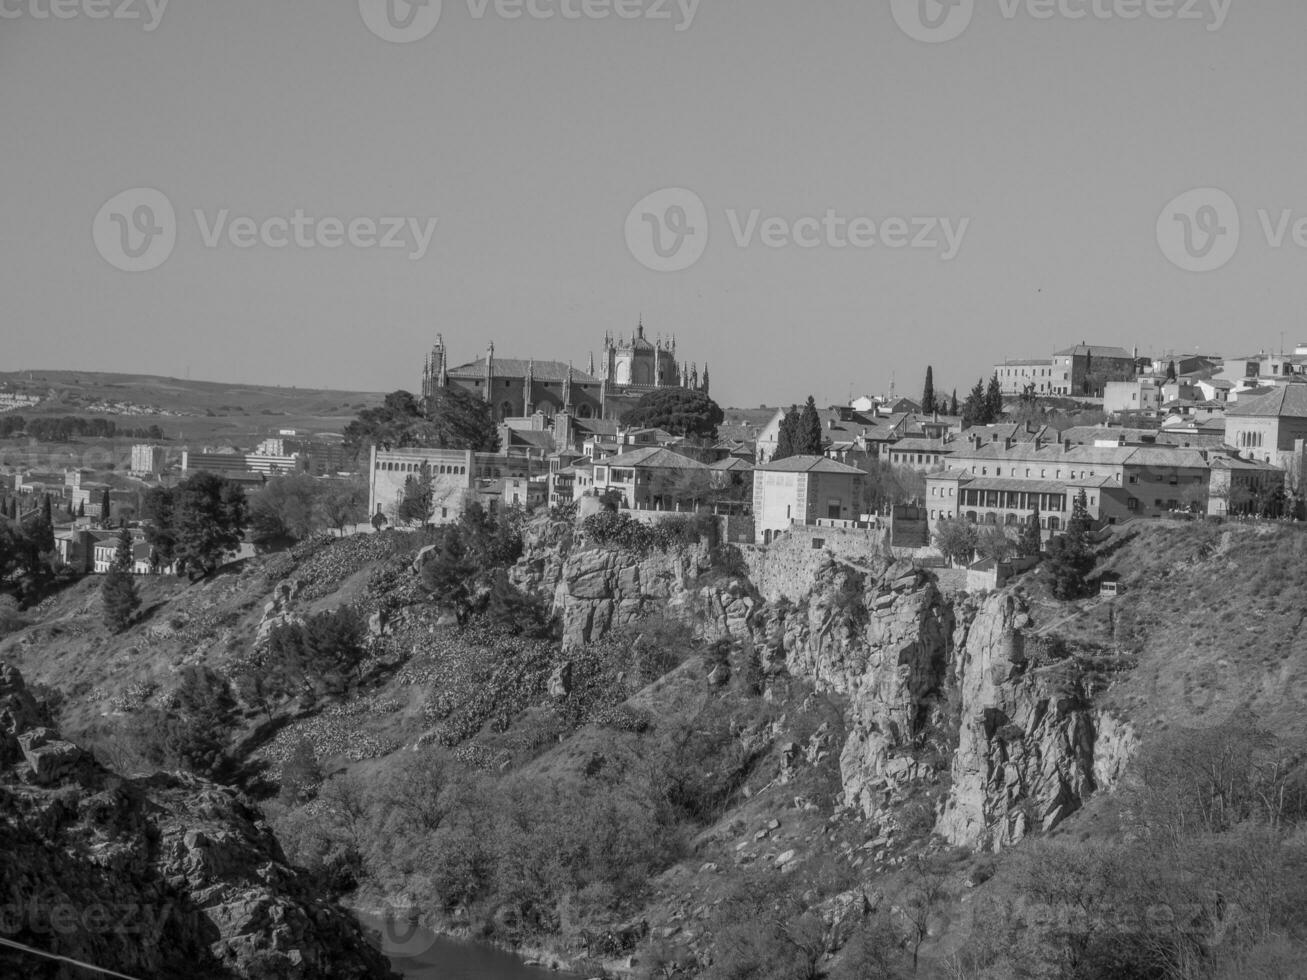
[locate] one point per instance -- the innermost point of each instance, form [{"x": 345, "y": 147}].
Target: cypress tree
[
  {"x": 788, "y": 436},
  {"x": 1031, "y": 542},
  {"x": 954, "y": 408},
  {"x": 118, "y": 591},
  {"x": 810, "y": 436},
  {"x": 994, "y": 401},
  {"x": 928, "y": 405}
]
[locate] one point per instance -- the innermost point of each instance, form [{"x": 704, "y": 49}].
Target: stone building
[
  {"x": 1085, "y": 369},
  {"x": 629, "y": 368},
  {"x": 804, "y": 490}
]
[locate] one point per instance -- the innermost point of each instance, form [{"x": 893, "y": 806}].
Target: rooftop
[
  {"x": 1290, "y": 401},
  {"x": 1092, "y": 350},
  {"x": 516, "y": 367},
  {"x": 809, "y": 464}
]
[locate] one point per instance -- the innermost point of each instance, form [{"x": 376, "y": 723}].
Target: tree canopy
[
  {"x": 677, "y": 411},
  {"x": 197, "y": 523},
  {"x": 453, "y": 419}
]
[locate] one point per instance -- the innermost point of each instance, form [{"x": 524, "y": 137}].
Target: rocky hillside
[
  {"x": 861, "y": 745},
  {"x": 166, "y": 875}
]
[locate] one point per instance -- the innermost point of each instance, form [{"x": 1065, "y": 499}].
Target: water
[{"x": 419, "y": 954}]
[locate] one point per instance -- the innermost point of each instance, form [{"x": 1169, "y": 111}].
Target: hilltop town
[{"x": 641, "y": 659}]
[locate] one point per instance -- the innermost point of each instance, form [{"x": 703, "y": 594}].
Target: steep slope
[{"x": 165, "y": 875}]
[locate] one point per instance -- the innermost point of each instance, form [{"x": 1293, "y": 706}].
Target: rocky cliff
[
  {"x": 166, "y": 875},
  {"x": 954, "y": 695}
]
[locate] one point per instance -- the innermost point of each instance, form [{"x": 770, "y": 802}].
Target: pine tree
[
  {"x": 928, "y": 405},
  {"x": 810, "y": 435},
  {"x": 118, "y": 591},
  {"x": 994, "y": 401}
]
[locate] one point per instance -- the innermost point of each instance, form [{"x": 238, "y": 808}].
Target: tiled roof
[
  {"x": 1289, "y": 401},
  {"x": 809, "y": 464},
  {"x": 516, "y": 367},
  {"x": 1080, "y": 350},
  {"x": 732, "y": 464},
  {"x": 657, "y": 458}
]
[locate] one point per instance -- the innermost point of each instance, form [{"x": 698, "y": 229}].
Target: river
[{"x": 420, "y": 954}]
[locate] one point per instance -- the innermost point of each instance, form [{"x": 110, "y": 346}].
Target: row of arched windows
[
  {"x": 1251, "y": 440},
  {"x": 443, "y": 470}
]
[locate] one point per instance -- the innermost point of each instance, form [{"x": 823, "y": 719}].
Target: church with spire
[{"x": 629, "y": 368}]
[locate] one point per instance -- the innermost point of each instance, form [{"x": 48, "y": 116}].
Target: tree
[
  {"x": 343, "y": 504},
  {"x": 286, "y": 508},
  {"x": 449, "y": 573},
  {"x": 118, "y": 591},
  {"x": 1070, "y": 558},
  {"x": 1170, "y": 372},
  {"x": 994, "y": 400},
  {"x": 106, "y": 508},
  {"x": 954, "y": 408},
  {"x": 452, "y": 419},
  {"x": 787, "y": 436},
  {"x": 1031, "y": 542},
  {"x": 44, "y": 531},
  {"x": 810, "y": 434},
  {"x": 956, "y": 539},
  {"x": 928, "y": 405},
  {"x": 992, "y": 542},
  {"x": 419, "y": 494},
  {"x": 81, "y": 508},
  {"x": 976, "y": 409},
  {"x": 675, "y": 410},
  {"x": 160, "y": 513},
  {"x": 458, "y": 419},
  {"x": 210, "y": 516}
]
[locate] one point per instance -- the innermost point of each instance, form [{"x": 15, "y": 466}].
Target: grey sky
[{"x": 530, "y": 141}]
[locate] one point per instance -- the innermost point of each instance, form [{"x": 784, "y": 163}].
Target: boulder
[{"x": 50, "y": 758}]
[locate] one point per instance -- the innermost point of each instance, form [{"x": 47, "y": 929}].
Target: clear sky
[{"x": 1058, "y": 140}]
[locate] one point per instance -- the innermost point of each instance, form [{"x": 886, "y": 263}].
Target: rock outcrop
[
  {"x": 1025, "y": 754},
  {"x": 952, "y": 690},
  {"x": 597, "y": 590},
  {"x": 166, "y": 875}
]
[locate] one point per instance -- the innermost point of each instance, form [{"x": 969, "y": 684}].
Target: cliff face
[
  {"x": 955, "y": 691},
  {"x": 597, "y": 590},
  {"x": 166, "y": 875}
]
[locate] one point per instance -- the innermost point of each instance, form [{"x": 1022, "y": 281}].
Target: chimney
[
  {"x": 1066, "y": 445},
  {"x": 1007, "y": 443},
  {"x": 1039, "y": 443}
]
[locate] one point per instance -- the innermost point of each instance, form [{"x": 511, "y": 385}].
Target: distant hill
[{"x": 188, "y": 409}]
